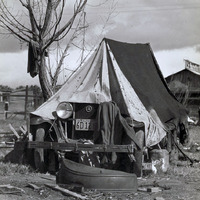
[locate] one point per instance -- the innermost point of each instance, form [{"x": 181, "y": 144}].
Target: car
[{"x": 81, "y": 123}]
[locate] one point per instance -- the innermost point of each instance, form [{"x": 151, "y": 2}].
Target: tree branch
[
  {"x": 56, "y": 74},
  {"x": 9, "y": 20},
  {"x": 23, "y": 4},
  {"x": 58, "y": 19},
  {"x": 12, "y": 17},
  {"x": 67, "y": 26},
  {"x": 14, "y": 32},
  {"x": 13, "y": 27},
  {"x": 51, "y": 5},
  {"x": 34, "y": 25}
]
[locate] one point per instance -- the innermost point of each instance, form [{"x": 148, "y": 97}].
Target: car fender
[
  {"x": 36, "y": 121},
  {"x": 39, "y": 120}
]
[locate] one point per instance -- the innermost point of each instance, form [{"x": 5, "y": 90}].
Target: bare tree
[{"x": 45, "y": 26}]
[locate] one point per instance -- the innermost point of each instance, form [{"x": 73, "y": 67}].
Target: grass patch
[{"x": 7, "y": 169}]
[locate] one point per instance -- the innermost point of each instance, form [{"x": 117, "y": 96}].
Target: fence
[{"x": 19, "y": 103}]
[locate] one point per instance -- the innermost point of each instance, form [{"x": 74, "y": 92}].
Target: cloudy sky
[{"x": 171, "y": 27}]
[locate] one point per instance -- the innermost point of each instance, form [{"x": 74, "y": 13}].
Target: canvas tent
[{"x": 129, "y": 75}]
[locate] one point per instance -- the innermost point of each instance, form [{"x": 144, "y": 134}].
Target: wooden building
[{"x": 185, "y": 85}]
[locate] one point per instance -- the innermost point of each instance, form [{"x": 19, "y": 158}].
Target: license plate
[{"x": 85, "y": 125}]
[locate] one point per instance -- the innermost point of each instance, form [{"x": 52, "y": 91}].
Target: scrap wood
[
  {"x": 149, "y": 189},
  {"x": 73, "y": 187},
  {"x": 39, "y": 189},
  {"x": 17, "y": 189},
  {"x": 154, "y": 189},
  {"x": 9, "y": 143},
  {"x": 23, "y": 130},
  {"x": 6, "y": 144},
  {"x": 9, "y": 192},
  {"x": 24, "y": 127},
  {"x": 66, "y": 191},
  {"x": 14, "y": 131},
  {"x": 142, "y": 189},
  {"x": 48, "y": 177},
  {"x": 35, "y": 187}
]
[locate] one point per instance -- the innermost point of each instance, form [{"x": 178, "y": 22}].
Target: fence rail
[{"x": 19, "y": 104}]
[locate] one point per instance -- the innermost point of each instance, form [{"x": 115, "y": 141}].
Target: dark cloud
[
  {"x": 10, "y": 44},
  {"x": 165, "y": 24}
]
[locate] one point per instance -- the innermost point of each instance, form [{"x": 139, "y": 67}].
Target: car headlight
[{"x": 64, "y": 110}]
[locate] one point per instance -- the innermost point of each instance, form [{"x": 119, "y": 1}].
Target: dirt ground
[{"x": 180, "y": 182}]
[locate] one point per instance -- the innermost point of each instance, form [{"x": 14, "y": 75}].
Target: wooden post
[
  {"x": 6, "y": 106},
  {"x": 169, "y": 141},
  {"x": 26, "y": 103}
]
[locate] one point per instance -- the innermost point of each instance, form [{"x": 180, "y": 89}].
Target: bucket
[{"x": 160, "y": 160}]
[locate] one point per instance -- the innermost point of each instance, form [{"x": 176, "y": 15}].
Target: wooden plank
[
  {"x": 193, "y": 98},
  {"x": 14, "y": 131},
  {"x": 17, "y": 113},
  {"x": 66, "y": 191},
  {"x": 10, "y": 187},
  {"x": 32, "y": 185},
  {"x": 26, "y": 102},
  {"x": 81, "y": 147},
  {"x": 2, "y": 146},
  {"x": 22, "y": 95},
  {"x": 23, "y": 130}
]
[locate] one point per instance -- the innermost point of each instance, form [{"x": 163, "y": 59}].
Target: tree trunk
[{"x": 43, "y": 78}]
